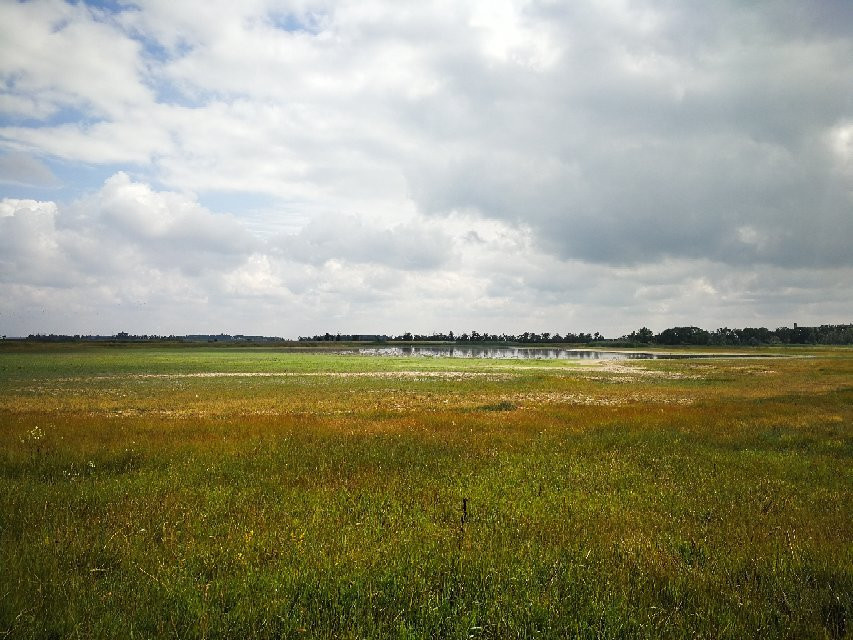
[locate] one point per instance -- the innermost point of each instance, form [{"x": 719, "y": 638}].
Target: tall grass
[{"x": 686, "y": 499}]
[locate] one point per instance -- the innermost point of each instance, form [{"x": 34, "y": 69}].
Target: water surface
[{"x": 536, "y": 353}]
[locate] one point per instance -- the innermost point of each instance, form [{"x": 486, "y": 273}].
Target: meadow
[{"x": 224, "y": 492}]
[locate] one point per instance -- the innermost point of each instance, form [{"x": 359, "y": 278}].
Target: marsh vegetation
[{"x": 193, "y": 492}]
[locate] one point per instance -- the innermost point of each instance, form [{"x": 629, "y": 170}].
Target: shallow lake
[{"x": 536, "y": 353}]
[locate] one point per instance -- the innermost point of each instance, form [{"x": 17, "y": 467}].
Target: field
[{"x": 210, "y": 493}]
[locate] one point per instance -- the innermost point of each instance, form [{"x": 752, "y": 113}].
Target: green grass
[{"x": 668, "y": 499}]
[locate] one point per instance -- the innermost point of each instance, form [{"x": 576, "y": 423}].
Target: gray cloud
[
  {"x": 644, "y": 143},
  {"x": 24, "y": 170}
]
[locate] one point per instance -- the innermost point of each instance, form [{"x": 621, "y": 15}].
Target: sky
[{"x": 292, "y": 167}]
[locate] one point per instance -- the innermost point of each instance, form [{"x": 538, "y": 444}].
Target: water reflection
[
  {"x": 539, "y": 353},
  {"x": 510, "y": 353}
]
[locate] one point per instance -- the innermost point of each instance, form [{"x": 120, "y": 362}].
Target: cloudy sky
[{"x": 288, "y": 167}]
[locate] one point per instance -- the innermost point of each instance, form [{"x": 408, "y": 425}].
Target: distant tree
[
  {"x": 753, "y": 335},
  {"x": 683, "y": 335},
  {"x": 724, "y": 336}
]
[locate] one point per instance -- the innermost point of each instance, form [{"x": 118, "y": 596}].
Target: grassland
[{"x": 209, "y": 493}]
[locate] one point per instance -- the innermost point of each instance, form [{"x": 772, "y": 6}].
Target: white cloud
[
  {"x": 432, "y": 163},
  {"x": 128, "y": 142},
  {"x": 63, "y": 55},
  {"x": 110, "y": 262},
  {"x": 137, "y": 210},
  {"x": 347, "y": 238}
]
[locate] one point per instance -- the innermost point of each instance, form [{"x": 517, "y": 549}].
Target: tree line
[
  {"x": 837, "y": 334},
  {"x": 749, "y": 336}
]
